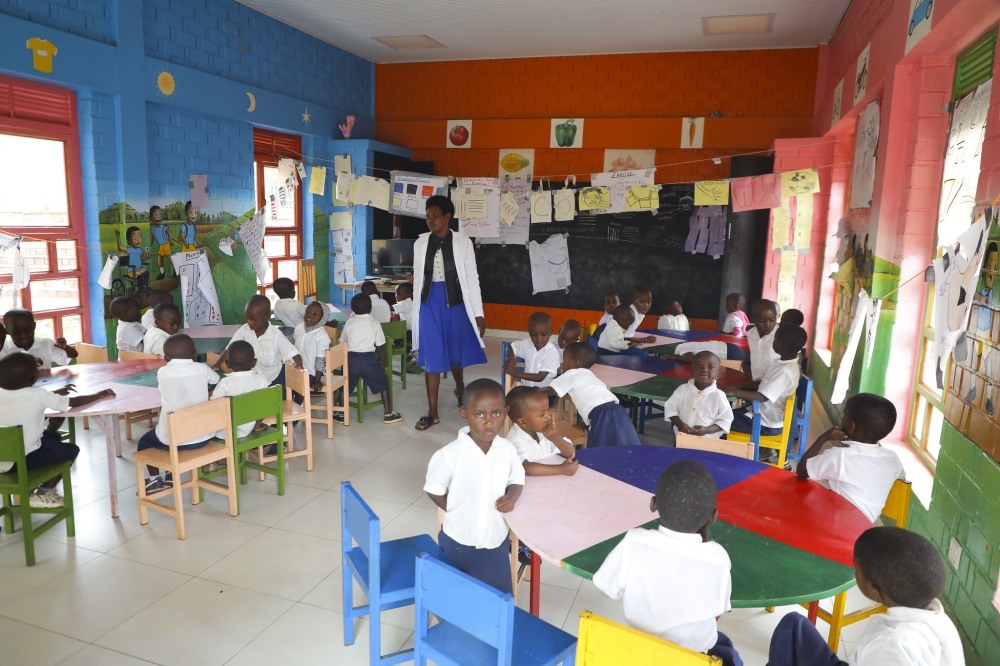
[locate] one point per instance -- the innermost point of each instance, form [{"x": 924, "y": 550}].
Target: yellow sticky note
[
  {"x": 317, "y": 180},
  {"x": 803, "y": 221},
  {"x": 595, "y": 198},
  {"x": 711, "y": 193},
  {"x": 781, "y": 222},
  {"x": 642, "y": 197},
  {"x": 789, "y": 264},
  {"x": 795, "y": 183}
]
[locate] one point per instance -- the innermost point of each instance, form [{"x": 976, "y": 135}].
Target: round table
[{"x": 790, "y": 540}]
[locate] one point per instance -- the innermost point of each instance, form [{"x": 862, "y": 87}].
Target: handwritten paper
[
  {"x": 595, "y": 198},
  {"x": 198, "y": 186},
  {"x": 803, "y": 221},
  {"x": 369, "y": 191},
  {"x": 619, "y": 184},
  {"x": 804, "y": 181},
  {"x": 563, "y": 205},
  {"x": 508, "y": 208},
  {"x": 756, "y": 193},
  {"x": 781, "y": 224},
  {"x": 252, "y": 235},
  {"x": 541, "y": 207},
  {"x": 482, "y": 211},
  {"x": 711, "y": 193},
  {"x": 345, "y": 181},
  {"x": 643, "y": 197},
  {"x": 317, "y": 180},
  {"x": 201, "y": 302},
  {"x": 865, "y": 159},
  {"x": 106, "y": 273}
]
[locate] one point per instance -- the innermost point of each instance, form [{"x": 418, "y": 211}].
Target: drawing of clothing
[
  {"x": 42, "y": 51},
  {"x": 159, "y": 232},
  {"x": 134, "y": 259},
  {"x": 701, "y": 220},
  {"x": 187, "y": 234}
]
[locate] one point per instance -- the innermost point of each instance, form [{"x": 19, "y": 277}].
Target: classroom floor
[{"x": 263, "y": 587}]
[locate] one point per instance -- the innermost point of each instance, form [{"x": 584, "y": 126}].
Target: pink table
[
  {"x": 227, "y": 331},
  {"x": 94, "y": 377},
  {"x": 613, "y": 376}
]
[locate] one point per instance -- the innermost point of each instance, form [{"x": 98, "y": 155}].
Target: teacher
[{"x": 448, "y": 323}]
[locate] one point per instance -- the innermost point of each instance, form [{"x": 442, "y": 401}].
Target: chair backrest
[
  {"x": 466, "y": 603},
  {"x": 12, "y": 448},
  {"x": 394, "y": 330},
  {"x": 136, "y": 356},
  {"x": 587, "y": 330},
  {"x": 592, "y": 341},
  {"x": 296, "y": 380},
  {"x": 199, "y": 421},
  {"x": 90, "y": 353},
  {"x": 336, "y": 357},
  {"x": 800, "y": 422},
  {"x": 732, "y": 363},
  {"x": 730, "y": 448},
  {"x": 602, "y": 642},
  {"x": 257, "y": 405},
  {"x": 212, "y": 357},
  {"x": 897, "y": 505},
  {"x": 307, "y": 279},
  {"x": 357, "y": 522},
  {"x": 334, "y": 335}
]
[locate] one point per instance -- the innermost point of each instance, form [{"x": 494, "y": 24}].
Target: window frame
[{"x": 280, "y": 145}]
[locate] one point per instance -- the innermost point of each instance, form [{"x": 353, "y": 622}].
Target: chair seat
[
  {"x": 36, "y": 477},
  {"x": 290, "y": 411},
  {"x": 573, "y": 434},
  {"x": 535, "y": 642},
  {"x": 189, "y": 459},
  {"x": 398, "y": 564}
]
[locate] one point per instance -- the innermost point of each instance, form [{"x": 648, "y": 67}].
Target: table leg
[
  {"x": 112, "y": 438},
  {"x": 813, "y": 611},
  {"x": 536, "y": 583}
]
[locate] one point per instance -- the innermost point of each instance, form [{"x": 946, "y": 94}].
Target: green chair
[
  {"x": 395, "y": 331},
  {"x": 361, "y": 392},
  {"x": 22, "y": 482},
  {"x": 249, "y": 408}
]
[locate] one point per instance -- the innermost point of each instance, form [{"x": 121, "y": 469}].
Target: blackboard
[{"x": 613, "y": 252}]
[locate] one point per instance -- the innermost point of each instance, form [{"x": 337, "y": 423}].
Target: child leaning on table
[
  {"x": 20, "y": 326},
  {"x": 534, "y": 436},
  {"x": 675, "y": 581},
  {"x": 270, "y": 346}
]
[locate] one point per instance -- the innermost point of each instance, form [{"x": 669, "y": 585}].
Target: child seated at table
[
  {"x": 366, "y": 356},
  {"x": 642, "y": 300},
  {"x": 608, "y": 423},
  {"x": 312, "y": 341},
  {"x": 675, "y": 581},
  {"x": 700, "y": 407},
  {"x": 904, "y": 572},
  {"x": 241, "y": 380},
  {"x": 154, "y": 298},
  {"x": 130, "y": 332},
  {"x": 166, "y": 321},
  {"x": 791, "y": 317},
  {"x": 612, "y": 339},
  {"x": 270, "y": 346},
  {"x": 857, "y": 466},
  {"x": 535, "y": 436},
  {"x": 541, "y": 356},
  {"x": 736, "y": 320},
  {"x": 287, "y": 309},
  {"x": 24, "y": 404},
  {"x": 760, "y": 354},
  {"x": 569, "y": 333},
  {"x": 404, "y": 306},
  {"x": 475, "y": 479},
  {"x": 673, "y": 318},
  {"x": 20, "y": 327},
  {"x": 183, "y": 382},
  {"x": 380, "y": 309},
  {"x": 611, "y": 301}
]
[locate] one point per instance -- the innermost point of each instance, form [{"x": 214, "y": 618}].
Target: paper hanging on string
[
  {"x": 871, "y": 328},
  {"x": 711, "y": 193},
  {"x": 317, "y": 180},
  {"x": 619, "y": 184},
  {"x": 410, "y": 192},
  {"x": 756, "y": 192},
  {"x": 643, "y": 198},
  {"x": 563, "y": 205},
  {"x": 865, "y": 157},
  {"x": 22, "y": 274},
  {"x": 107, "y": 273},
  {"x": 595, "y": 198},
  {"x": 7, "y": 241},
  {"x": 549, "y": 264},
  {"x": 516, "y": 231},
  {"x": 252, "y": 235},
  {"x": 345, "y": 181},
  {"x": 480, "y": 217},
  {"x": 803, "y": 221},
  {"x": 843, "y": 380},
  {"x": 198, "y": 187},
  {"x": 369, "y": 191},
  {"x": 786, "y": 278},
  {"x": 541, "y": 207},
  {"x": 797, "y": 183},
  {"x": 781, "y": 224},
  {"x": 201, "y": 302}
]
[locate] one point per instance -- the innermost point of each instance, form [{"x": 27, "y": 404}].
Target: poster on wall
[
  {"x": 865, "y": 152},
  {"x": 550, "y": 264},
  {"x": 918, "y": 22},
  {"x": 410, "y": 192},
  {"x": 477, "y": 206},
  {"x": 692, "y": 132},
  {"x": 838, "y": 102},
  {"x": 252, "y": 236},
  {"x": 459, "y": 134},
  {"x": 619, "y": 184},
  {"x": 616, "y": 159},
  {"x": 843, "y": 380},
  {"x": 566, "y": 133},
  {"x": 200, "y": 300},
  {"x": 516, "y": 163},
  {"x": 516, "y": 231},
  {"x": 861, "y": 75}
]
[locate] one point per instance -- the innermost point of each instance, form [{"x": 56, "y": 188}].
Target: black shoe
[{"x": 392, "y": 417}]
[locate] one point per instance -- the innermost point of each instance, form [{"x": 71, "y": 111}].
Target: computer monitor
[{"x": 392, "y": 257}]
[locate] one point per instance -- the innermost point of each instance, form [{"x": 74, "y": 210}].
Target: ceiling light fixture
[
  {"x": 737, "y": 25},
  {"x": 406, "y": 42}
]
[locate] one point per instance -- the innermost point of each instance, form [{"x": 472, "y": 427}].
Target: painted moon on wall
[{"x": 253, "y": 102}]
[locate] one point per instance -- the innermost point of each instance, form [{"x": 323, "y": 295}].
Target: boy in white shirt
[
  {"x": 569, "y": 333},
  {"x": 366, "y": 355},
  {"x": 20, "y": 325},
  {"x": 611, "y": 301},
  {"x": 642, "y": 300},
  {"x": 764, "y": 317},
  {"x": 287, "y": 309},
  {"x": 166, "y": 321},
  {"x": 270, "y": 346},
  {"x": 904, "y": 572},
  {"x": 541, "y": 357},
  {"x": 857, "y": 466},
  {"x": 183, "y": 383},
  {"x": 404, "y": 305},
  {"x": 534, "y": 436},
  {"x": 380, "y": 309},
  {"x": 312, "y": 342},
  {"x": 700, "y": 407},
  {"x": 791, "y": 317},
  {"x": 241, "y": 380},
  {"x": 736, "y": 320},
  {"x": 673, "y": 318},
  {"x": 607, "y": 422},
  {"x": 675, "y": 581},
  {"x": 130, "y": 332},
  {"x": 612, "y": 339},
  {"x": 476, "y": 479},
  {"x": 153, "y": 299}
]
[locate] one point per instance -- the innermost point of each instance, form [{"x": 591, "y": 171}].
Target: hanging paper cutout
[
  {"x": 843, "y": 380},
  {"x": 795, "y": 183},
  {"x": 550, "y": 264},
  {"x": 643, "y": 197},
  {"x": 756, "y": 193},
  {"x": 541, "y": 207},
  {"x": 619, "y": 183},
  {"x": 200, "y": 300},
  {"x": 563, "y": 204},
  {"x": 252, "y": 236},
  {"x": 107, "y": 272},
  {"x": 595, "y": 198},
  {"x": 317, "y": 181},
  {"x": 711, "y": 193}
]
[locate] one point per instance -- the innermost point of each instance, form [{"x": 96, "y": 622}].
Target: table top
[
  {"x": 697, "y": 336},
  {"x": 381, "y": 287},
  {"x": 201, "y": 332},
  {"x": 130, "y": 395},
  {"x": 790, "y": 540}
]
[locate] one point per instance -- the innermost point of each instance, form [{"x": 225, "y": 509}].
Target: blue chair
[
  {"x": 800, "y": 420},
  {"x": 385, "y": 571},
  {"x": 796, "y": 426},
  {"x": 478, "y": 624}
]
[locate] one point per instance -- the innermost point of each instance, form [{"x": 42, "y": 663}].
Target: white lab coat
[{"x": 468, "y": 277}]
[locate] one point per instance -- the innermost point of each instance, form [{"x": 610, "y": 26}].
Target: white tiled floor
[{"x": 263, "y": 587}]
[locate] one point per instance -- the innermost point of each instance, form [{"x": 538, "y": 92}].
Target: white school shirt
[
  {"x": 733, "y": 324},
  {"x": 404, "y": 309},
  {"x": 700, "y": 408},
  {"x": 780, "y": 381},
  {"x": 474, "y": 481},
  {"x": 271, "y": 350},
  {"x": 861, "y": 473},
  {"x": 585, "y": 388},
  {"x": 380, "y": 309},
  {"x": 153, "y": 339},
  {"x": 762, "y": 352},
  {"x": 41, "y": 348},
  {"x": 362, "y": 334},
  {"x": 183, "y": 383},
  {"x": 673, "y": 584},
  {"x": 717, "y": 347},
  {"x": 605, "y": 319},
  {"x": 612, "y": 337},
  {"x": 910, "y": 637},
  {"x": 673, "y": 323},
  {"x": 238, "y": 383},
  {"x": 148, "y": 320},
  {"x": 129, "y": 336},
  {"x": 310, "y": 345},
  {"x": 528, "y": 450},
  {"x": 26, "y": 408},
  {"x": 635, "y": 324},
  {"x": 545, "y": 359},
  {"x": 290, "y": 311}
]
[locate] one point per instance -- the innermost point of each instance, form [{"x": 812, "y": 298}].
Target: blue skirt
[
  {"x": 611, "y": 426},
  {"x": 490, "y": 565},
  {"x": 447, "y": 339}
]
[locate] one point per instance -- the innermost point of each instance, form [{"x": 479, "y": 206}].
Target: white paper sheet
[
  {"x": 508, "y": 208},
  {"x": 369, "y": 191},
  {"x": 201, "y": 302},
  {"x": 107, "y": 272},
  {"x": 541, "y": 207},
  {"x": 410, "y": 191},
  {"x": 619, "y": 182},
  {"x": 865, "y": 149},
  {"x": 564, "y": 204},
  {"x": 550, "y": 269},
  {"x": 22, "y": 274},
  {"x": 342, "y": 163},
  {"x": 7, "y": 241},
  {"x": 487, "y": 224},
  {"x": 226, "y": 245},
  {"x": 843, "y": 380},
  {"x": 345, "y": 181},
  {"x": 871, "y": 328},
  {"x": 252, "y": 236}
]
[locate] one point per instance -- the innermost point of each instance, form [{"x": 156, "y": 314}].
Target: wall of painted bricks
[{"x": 93, "y": 19}]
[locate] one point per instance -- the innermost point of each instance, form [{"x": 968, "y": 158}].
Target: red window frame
[{"x": 268, "y": 148}]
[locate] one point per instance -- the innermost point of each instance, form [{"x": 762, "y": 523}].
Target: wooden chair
[
  {"x": 90, "y": 354},
  {"x": 336, "y": 359},
  {"x": 395, "y": 331},
  {"x": 296, "y": 381},
  {"x": 198, "y": 422},
  {"x": 566, "y": 421},
  {"x": 730, "y": 448},
  {"x": 136, "y": 356},
  {"x": 307, "y": 279},
  {"x": 212, "y": 357},
  {"x": 733, "y": 364},
  {"x": 333, "y": 334},
  {"x": 147, "y": 414},
  {"x": 602, "y": 642}
]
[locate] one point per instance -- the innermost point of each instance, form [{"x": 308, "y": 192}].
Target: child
[
  {"x": 161, "y": 234},
  {"x": 612, "y": 339},
  {"x": 136, "y": 255},
  {"x": 764, "y": 316},
  {"x": 287, "y": 309},
  {"x": 183, "y": 383},
  {"x": 241, "y": 380},
  {"x": 528, "y": 408},
  {"x": 859, "y": 468},
  {"x": 380, "y": 309},
  {"x": 642, "y": 300},
  {"x": 130, "y": 332},
  {"x": 475, "y": 479},
  {"x": 20, "y": 327},
  {"x": 674, "y": 580},
  {"x": 673, "y": 318},
  {"x": 24, "y": 404},
  {"x": 312, "y": 342},
  {"x": 188, "y": 229},
  {"x": 904, "y": 572},
  {"x": 700, "y": 407},
  {"x": 166, "y": 321},
  {"x": 608, "y": 423},
  {"x": 736, "y": 322},
  {"x": 686, "y": 351},
  {"x": 364, "y": 337},
  {"x": 541, "y": 357},
  {"x": 611, "y": 301},
  {"x": 154, "y": 298},
  {"x": 569, "y": 333},
  {"x": 404, "y": 305},
  {"x": 270, "y": 346},
  {"x": 792, "y": 317}
]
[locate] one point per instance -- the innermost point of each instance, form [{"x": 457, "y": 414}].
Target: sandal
[
  {"x": 425, "y": 422},
  {"x": 458, "y": 395}
]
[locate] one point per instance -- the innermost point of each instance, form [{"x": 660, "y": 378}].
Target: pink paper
[
  {"x": 741, "y": 191},
  {"x": 198, "y": 184},
  {"x": 612, "y": 376},
  {"x": 755, "y": 193}
]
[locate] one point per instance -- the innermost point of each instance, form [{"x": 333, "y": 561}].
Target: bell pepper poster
[{"x": 566, "y": 133}]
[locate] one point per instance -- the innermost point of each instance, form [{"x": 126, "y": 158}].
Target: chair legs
[{"x": 348, "y": 586}]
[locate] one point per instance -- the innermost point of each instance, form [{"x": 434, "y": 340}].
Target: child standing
[
  {"x": 607, "y": 421},
  {"x": 736, "y": 321},
  {"x": 611, "y": 301},
  {"x": 534, "y": 436},
  {"x": 166, "y": 321},
  {"x": 161, "y": 234},
  {"x": 675, "y": 581},
  {"x": 20, "y": 325},
  {"x": 792, "y": 317},
  {"x": 270, "y": 346},
  {"x": 476, "y": 479},
  {"x": 380, "y": 309},
  {"x": 130, "y": 332},
  {"x": 569, "y": 333},
  {"x": 700, "y": 407},
  {"x": 188, "y": 229},
  {"x": 366, "y": 355},
  {"x": 857, "y": 466},
  {"x": 763, "y": 316},
  {"x": 673, "y": 318},
  {"x": 154, "y": 298},
  {"x": 241, "y": 380},
  {"x": 287, "y": 309},
  {"x": 312, "y": 342},
  {"x": 612, "y": 339},
  {"x": 541, "y": 357}
]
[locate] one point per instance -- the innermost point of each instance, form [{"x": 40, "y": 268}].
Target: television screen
[{"x": 392, "y": 257}]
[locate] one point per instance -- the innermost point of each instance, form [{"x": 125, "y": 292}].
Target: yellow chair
[
  {"x": 90, "y": 354},
  {"x": 602, "y": 642},
  {"x": 779, "y": 442},
  {"x": 728, "y": 447},
  {"x": 587, "y": 330},
  {"x": 307, "y": 279},
  {"x": 147, "y": 414}
]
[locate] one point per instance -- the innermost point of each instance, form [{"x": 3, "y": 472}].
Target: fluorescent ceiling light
[
  {"x": 406, "y": 42},
  {"x": 737, "y": 25}
]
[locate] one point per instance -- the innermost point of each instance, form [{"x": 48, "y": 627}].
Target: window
[{"x": 283, "y": 233}]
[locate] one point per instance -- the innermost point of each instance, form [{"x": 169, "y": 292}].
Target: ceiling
[{"x": 477, "y": 29}]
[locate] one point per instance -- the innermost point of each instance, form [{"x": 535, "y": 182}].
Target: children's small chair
[
  {"x": 800, "y": 421},
  {"x": 198, "y": 422},
  {"x": 89, "y": 354},
  {"x": 212, "y": 357},
  {"x": 147, "y": 414},
  {"x": 566, "y": 420},
  {"x": 479, "y": 624},
  {"x": 336, "y": 359},
  {"x": 744, "y": 450},
  {"x": 395, "y": 331},
  {"x": 21, "y": 482},
  {"x": 602, "y": 642},
  {"x": 296, "y": 381},
  {"x": 798, "y": 417},
  {"x": 587, "y": 331},
  {"x": 385, "y": 571}
]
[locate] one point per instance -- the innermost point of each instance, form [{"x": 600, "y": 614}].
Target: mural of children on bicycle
[{"x": 136, "y": 255}]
